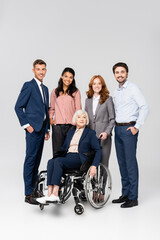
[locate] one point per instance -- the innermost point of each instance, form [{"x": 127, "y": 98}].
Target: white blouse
[{"x": 95, "y": 103}]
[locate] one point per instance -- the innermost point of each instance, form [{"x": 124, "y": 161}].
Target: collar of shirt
[
  {"x": 123, "y": 86},
  {"x": 38, "y": 82},
  {"x": 96, "y": 98},
  {"x": 79, "y": 129}
]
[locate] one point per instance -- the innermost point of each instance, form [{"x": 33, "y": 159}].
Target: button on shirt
[
  {"x": 130, "y": 104},
  {"x": 95, "y": 103},
  {"x": 75, "y": 140}
]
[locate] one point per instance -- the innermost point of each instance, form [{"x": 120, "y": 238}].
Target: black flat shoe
[
  {"x": 130, "y": 203},
  {"x": 121, "y": 199}
]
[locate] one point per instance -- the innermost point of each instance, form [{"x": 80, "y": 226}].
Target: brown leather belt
[{"x": 125, "y": 124}]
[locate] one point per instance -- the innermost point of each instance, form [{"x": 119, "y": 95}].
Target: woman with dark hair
[
  {"x": 65, "y": 101},
  {"x": 100, "y": 109}
]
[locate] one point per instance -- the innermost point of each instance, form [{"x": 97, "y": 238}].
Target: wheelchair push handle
[{"x": 100, "y": 138}]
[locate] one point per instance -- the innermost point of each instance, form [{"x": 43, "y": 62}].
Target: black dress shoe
[
  {"x": 31, "y": 200},
  {"x": 121, "y": 199},
  {"x": 130, "y": 203}
]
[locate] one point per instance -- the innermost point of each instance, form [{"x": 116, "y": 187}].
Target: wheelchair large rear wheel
[{"x": 98, "y": 189}]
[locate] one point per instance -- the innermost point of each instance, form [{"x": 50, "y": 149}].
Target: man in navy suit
[{"x": 32, "y": 111}]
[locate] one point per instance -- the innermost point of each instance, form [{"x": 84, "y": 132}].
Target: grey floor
[{"x": 20, "y": 220}]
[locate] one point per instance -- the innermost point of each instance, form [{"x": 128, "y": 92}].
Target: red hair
[{"x": 104, "y": 93}]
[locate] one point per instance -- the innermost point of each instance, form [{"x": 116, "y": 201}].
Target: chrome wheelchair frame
[{"x": 81, "y": 186}]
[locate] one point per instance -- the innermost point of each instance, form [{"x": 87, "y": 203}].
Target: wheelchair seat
[{"x": 72, "y": 171}]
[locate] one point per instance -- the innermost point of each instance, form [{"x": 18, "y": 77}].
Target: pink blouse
[{"x": 63, "y": 107}]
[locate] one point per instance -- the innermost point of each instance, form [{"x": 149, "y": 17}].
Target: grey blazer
[{"x": 103, "y": 121}]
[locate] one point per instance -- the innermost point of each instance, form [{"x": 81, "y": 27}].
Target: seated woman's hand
[{"x": 93, "y": 171}]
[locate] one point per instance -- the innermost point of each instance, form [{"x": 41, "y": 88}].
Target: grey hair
[{"x": 79, "y": 112}]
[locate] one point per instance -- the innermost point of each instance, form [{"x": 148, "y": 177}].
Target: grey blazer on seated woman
[{"x": 102, "y": 121}]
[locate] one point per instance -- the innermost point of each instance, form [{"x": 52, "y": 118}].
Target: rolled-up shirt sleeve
[
  {"x": 143, "y": 107},
  {"x": 77, "y": 100}
]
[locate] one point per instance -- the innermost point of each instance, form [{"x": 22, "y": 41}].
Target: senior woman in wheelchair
[{"x": 78, "y": 141}]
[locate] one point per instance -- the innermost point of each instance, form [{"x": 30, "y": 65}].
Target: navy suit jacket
[
  {"x": 88, "y": 142},
  {"x": 30, "y": 107}
]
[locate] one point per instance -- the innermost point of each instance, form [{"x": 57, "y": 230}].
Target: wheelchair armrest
[
  {"x": 90, "y": 155},
  {"x": 88, "y": 162}
]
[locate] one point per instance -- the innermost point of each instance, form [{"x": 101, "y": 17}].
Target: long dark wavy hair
[{"x": 72, "y": 87}]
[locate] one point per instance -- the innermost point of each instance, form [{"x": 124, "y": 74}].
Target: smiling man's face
[
  {"x": 121, "y": 75},
  {"x": 39, "y": 71}
]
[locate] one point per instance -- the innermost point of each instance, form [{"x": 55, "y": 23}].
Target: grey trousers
[{"x": 106, "y": 150}]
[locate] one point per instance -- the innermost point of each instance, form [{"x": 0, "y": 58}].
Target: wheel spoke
[{"x": 99, "y": 187}]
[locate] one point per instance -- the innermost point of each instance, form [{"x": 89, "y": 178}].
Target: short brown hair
[
  {"x": 120, "y": 64},
  {"x": 39, "y": 61},
  {"x": 104, "y": 93}
]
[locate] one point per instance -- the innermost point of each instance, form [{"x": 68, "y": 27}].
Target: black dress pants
[{"x": 59, "y": 132}]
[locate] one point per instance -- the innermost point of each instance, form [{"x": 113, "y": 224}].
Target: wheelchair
[{"x": 81, "y": 186}]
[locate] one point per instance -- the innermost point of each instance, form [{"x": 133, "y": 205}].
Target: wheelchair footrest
[
  {"x": 43, "y": 204},
  {"x": 55, "y": 202}
]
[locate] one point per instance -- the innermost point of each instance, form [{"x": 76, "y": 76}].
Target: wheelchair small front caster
[
  {"x": 79, "y": 209},
  {"x": 41, "y": 206}
]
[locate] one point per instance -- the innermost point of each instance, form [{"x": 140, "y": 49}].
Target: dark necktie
[{"x": 44, "y": 98}]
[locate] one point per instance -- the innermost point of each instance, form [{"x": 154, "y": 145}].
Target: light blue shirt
[{"x": 130, "y": 104}]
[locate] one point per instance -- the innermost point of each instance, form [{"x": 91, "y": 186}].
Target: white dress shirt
[
  {"x": 130, "y": 104},
  {"x": 40, "y": 88},
  {"x": 95, "y": 103}
]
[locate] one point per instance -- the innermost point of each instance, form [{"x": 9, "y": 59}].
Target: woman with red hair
[{"x": 100, "y": 109}]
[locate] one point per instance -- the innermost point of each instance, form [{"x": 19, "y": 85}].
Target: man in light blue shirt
[{"x": 131, "y": 111}]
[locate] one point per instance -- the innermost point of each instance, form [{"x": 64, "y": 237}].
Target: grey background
[{"x": 90, "y": 36}]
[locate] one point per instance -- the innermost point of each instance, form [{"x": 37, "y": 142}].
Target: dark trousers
[
  {"x": 126, "y": 145},
  {"x": 34, "y": 147},
  {"x": 59, "y": 132},
  {"x": 56, "y": 166}
]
